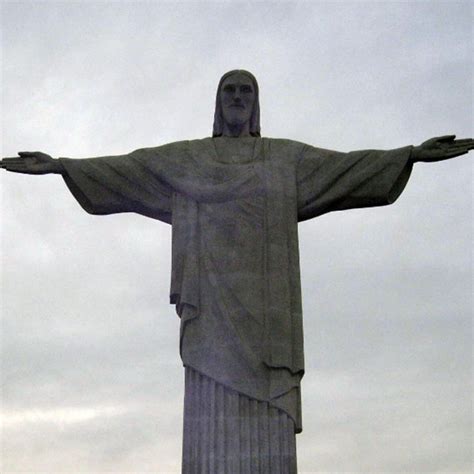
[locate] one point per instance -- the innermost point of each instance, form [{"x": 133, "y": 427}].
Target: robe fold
[{"x": 235, "y": 276}]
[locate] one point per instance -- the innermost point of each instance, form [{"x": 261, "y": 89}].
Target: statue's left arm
[
  {"x": 135, "y": 182},
  {"x": 332, "y": 181}
]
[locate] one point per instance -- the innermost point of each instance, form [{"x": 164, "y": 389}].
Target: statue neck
[{"x": 236, "y": 130}]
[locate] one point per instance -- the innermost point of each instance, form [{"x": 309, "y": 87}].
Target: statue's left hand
[
  {"x": 441, "y": 148},
  {"x": 32, "y": 162}
]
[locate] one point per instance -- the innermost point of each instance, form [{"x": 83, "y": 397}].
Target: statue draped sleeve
[
  {"x": 146, "y": 180},
  {"x": 126, "y": 183},
  {"x": 334, "y": 181}
]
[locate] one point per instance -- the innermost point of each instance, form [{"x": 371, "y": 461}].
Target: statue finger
[
  {"x": 466, "y": 146},
  {"x": 28, "y": 153},
  {"x": 446, "y": 138},
  {"x": 12, "y": 160},
  {"x": 19, "y": 170},
  {"x": 453, "y": 154},
  {"x": 14, "y": 166},
  {"x": 465, "y": 141}
]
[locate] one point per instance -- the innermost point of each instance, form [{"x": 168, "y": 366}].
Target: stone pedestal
[{"x": 226, "y": 432}]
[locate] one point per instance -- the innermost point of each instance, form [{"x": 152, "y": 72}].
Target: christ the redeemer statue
[{"x": 234, "y": 202}]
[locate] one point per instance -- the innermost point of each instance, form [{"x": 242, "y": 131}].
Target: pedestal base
[{"x": 226, "y": 432}]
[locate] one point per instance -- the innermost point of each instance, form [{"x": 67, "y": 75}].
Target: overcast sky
[{"x": 91, "y": 375}]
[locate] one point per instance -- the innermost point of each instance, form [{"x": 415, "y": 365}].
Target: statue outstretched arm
[
  {"x": 105, "y": 185},
  {"x": 332, "y": 181},
  {"x": 441, "y": 148},
  {"x": 32, "y": 162}
]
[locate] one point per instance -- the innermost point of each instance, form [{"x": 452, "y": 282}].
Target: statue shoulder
[
  {"x": 181, "y": 150},
  {"x": 173, "y": 149},
  {"x": 290, "y": 148}
]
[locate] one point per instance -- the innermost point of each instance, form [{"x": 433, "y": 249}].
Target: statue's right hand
[{"x": 31, "y": 162}]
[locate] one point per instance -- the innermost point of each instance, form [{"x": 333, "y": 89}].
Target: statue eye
[
  {"x": 229, "y": 88},
  {"x": 246, "y": 89}
]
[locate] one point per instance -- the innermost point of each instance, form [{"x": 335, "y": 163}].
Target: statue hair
[{"x": 254, "y": 125}]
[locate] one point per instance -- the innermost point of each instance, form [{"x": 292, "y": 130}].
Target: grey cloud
[{"x": 387, "y": 292}]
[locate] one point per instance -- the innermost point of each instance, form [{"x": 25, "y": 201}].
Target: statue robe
[{"x": 235, "y": 266}]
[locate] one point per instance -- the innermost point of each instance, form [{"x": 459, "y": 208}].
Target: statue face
[{"x": 237, "y": 99}]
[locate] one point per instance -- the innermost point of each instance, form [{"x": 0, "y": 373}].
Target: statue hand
[
  {"x": 31, "y": 162},
  {"x": 441, "y": 148}
]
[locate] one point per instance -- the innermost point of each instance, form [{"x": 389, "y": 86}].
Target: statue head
[{"x": 237, "y": 103}]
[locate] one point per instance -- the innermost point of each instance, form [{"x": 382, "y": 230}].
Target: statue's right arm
[
  {"x": 135, "y": 182},
  {"x": 32, "y": 162}
]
